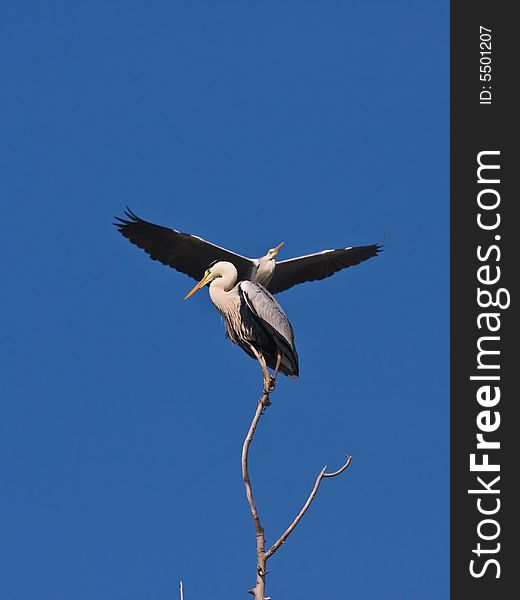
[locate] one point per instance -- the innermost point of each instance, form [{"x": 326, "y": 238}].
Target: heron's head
[
  {"x": 216, "y": 270},
  {"x": 272, "y": 252}
]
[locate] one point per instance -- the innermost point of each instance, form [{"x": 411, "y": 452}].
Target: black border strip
[{"x": 477, "y": 128}]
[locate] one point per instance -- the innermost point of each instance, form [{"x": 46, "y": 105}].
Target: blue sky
[{"x": 123, "y": 407}]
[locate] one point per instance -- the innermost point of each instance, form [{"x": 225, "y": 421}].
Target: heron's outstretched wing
[
  {"x": 186, "y": 253},
  {"x": 318, "y": 266}
]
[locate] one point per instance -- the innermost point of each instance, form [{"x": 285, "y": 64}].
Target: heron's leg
[
  {"x": 278, "y": 363},
  {"x": 267, "y": 378},
  {"x": 272, "y": 380}
]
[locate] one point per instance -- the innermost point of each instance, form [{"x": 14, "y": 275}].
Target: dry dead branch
[{"x": 262, "y": 556}]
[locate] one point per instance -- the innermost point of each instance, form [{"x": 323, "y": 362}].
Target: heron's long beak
[
  {"x": 277, "y": 249},
  {"x": 199, "y": 285}
]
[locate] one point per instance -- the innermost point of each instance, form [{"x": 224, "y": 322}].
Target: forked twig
[
  {"x": 299, "y": 516},
  {"x": 262, "y": 556}
]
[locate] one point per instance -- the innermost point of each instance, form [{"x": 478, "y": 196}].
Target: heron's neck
[
  {"x": 219, "y": 288},
  {"x": 264, "y": 270}
]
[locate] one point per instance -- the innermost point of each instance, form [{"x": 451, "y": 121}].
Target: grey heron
[
  {"x": 254, "y": 320},
  {"x": 191, "y": 254}
]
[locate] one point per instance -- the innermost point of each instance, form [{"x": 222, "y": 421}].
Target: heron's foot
[
  {"x": 268, "y": 385},
  {"x": 265, "y": 401},
  {"x": 271, "y": 384},
  {"x": 268, "y": 388}
]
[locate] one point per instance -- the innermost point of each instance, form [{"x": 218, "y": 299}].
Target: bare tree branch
[
  {"x": 339, "y": 471},
  {"x": 259, "y": 589},
  {"x": 181, "y": 590},
  {"x": 262, "y": 556},
  {"x": 313, "y": 493}
]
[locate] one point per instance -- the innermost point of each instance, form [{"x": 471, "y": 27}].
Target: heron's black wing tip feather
[
  {"x": 131, "y": 215},
  {"x": 128, "y": 226},
  {"x": 121, "y": 222}
]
